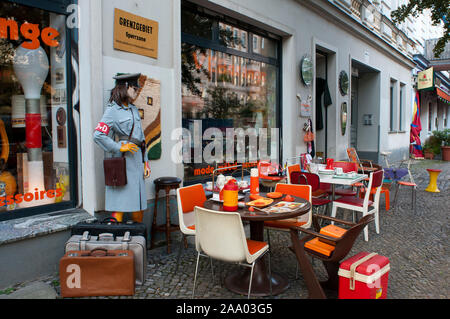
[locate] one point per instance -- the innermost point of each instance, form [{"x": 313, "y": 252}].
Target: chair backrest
[
  {"x": 353, "y": 157},
  {"x": 408, "y": 165},
  {"x": 302, "y": 191},
  {"x": 344, "y": 246},
  {"x": 187, "y": 198},
  {"x": 220, "y": 235},
  {"x": 346, "y": 166},
  {"x": 291, "y": 169},
  {"x": 375, "y": 182},
  {"x": 304, "y": 178}
]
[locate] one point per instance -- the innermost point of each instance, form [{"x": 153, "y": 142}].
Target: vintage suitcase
[
  {"x": 98, "y": 272},
  {"x": 110, "y": 242},
  {"x": 364, "y": 276},
  {"x": 110, "y": 225}
]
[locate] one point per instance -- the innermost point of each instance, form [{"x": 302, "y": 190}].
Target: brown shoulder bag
[{"x": 115, "y": 168}]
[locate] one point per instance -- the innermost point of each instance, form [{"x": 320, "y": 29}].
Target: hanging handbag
[{"x": 115, "y": 168}]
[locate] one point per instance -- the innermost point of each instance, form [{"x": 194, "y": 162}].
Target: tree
[{"x": 440, "y": 10}]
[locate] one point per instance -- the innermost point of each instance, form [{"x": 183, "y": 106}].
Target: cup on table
[
  {"x": 338, "y": 171},
  {"x": 243, "y": 184},
  {"x": 330, "y": 163}
]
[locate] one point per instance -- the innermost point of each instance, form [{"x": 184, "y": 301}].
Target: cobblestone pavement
[{"x": 415, "y": 242}]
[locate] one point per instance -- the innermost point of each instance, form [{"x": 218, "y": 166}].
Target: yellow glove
[{"x": 129, "y": 147}]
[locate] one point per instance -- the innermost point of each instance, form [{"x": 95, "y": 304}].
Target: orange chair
[
  {"x": 291, "y": 169},
  {"x": 187, "y": 198},
  {"x": 411, "y": 184},
  {"x": 302, "y": 191},
  {"x": 303, "y": 221},
  {"x": 364, "y": 166},
  {"x": 384, "y": 190}
]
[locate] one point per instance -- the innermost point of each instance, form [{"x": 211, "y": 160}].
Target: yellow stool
[{"x": 432, "y": 186}]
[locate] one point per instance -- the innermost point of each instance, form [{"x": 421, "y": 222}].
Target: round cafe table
[{"x": 238, "y": 282}]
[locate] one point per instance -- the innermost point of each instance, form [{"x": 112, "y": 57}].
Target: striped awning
[{"x": 443, "y": 96}]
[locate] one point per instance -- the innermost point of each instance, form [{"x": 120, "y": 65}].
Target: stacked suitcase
[{"x": 98, "y": 256}]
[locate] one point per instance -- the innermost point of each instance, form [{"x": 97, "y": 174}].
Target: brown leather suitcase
[{"x": 98, "y": 272}]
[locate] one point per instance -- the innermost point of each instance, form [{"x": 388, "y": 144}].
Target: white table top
[{"x": 330, "y": 179}]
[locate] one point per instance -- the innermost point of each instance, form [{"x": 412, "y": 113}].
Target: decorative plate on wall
[
  {"x": 306, "y": 70},
  {"x": 343, "y": 83}
]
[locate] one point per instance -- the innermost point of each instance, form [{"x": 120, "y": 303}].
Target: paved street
[{"x": 415, "y": 243}]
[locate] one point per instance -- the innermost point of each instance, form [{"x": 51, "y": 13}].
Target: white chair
[
  {"x": 363, "y": 205},
  {"x": 220, "y": 235},
  {"x": 187, "y": 198}
]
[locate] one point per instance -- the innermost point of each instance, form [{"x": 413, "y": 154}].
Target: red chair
[{"x": 314, "y": 181}]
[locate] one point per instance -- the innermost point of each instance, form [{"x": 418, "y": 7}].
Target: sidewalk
[{"x": 416, "y": 245}]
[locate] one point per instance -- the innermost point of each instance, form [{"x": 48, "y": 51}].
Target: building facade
[{"x": 259, "y": 65}]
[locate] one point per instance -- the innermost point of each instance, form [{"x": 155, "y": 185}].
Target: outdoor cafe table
[
  {"x": 238, "y": 282},
  {"x": 334, "y": 180}
]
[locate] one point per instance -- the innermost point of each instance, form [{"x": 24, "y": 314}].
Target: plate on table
[
  {"x": 261, "y": 202},
  {"x": 274, "y": 195},
  {"x": 347, "y": 176},
  {"x": 326, "y": 171}
]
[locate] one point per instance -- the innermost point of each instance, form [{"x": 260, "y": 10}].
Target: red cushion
[
  {"x": 345, "y": 192},
  {"x": 349, "y": 200},
  {"x": 320, "y": 201}
]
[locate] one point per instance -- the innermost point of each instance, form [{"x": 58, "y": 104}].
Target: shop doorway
[
  {"x": 325, "y": 113},
  {"x": 365, "y": 111}
]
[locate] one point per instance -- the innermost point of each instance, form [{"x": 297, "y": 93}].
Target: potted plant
[
  {"x": 444, "y": 140},
  {"x": 431, "y": 147},
  {"x": 427, "y": 151}
]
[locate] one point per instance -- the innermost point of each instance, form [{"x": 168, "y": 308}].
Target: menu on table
[{"x": 284, "y": 207}]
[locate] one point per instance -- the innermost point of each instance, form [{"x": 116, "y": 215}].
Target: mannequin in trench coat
[{"x": 117, "y": 123}]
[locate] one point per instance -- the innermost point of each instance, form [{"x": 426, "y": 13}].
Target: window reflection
[{"x": 226, "y": 91}]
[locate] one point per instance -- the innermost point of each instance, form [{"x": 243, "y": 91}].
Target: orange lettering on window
[{"x": 30, "y": 32}]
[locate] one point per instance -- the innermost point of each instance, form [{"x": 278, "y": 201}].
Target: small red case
[{"x": 364, "y": 276}]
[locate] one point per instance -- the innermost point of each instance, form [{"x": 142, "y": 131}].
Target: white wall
[{"x": 99, "y": 62}]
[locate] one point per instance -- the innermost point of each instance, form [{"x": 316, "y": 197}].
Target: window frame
[
  {"x": 214, "y": 44},
  {"x": 58, "y": 7}
]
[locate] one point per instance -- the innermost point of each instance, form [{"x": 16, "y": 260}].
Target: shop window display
[
  {"x": 34, "y": 161},
  {"x": 229, "y": 81}
]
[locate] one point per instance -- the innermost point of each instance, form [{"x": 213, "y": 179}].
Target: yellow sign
[
  {"x": 425, "y": 79},
  {"x": 135, "y": 34}
]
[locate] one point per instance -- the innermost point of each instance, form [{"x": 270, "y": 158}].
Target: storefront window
[
  {"x": 229, "y": 98},
  {"x": 35, "y": 166}
]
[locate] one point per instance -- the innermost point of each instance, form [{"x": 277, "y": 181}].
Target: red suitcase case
[{"x": 364, "y": 276}]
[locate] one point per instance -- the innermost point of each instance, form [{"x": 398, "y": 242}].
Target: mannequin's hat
[{"x": 129, "y": 79}]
